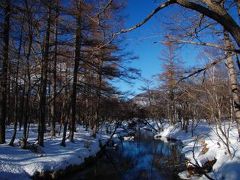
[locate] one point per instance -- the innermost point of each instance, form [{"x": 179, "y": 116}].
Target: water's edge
[
  {"x": 73, "y": 170},
  {"x": 69, "y": 170}
]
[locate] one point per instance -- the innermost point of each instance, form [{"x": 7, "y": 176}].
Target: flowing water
[{"x": 143, "y": 158}]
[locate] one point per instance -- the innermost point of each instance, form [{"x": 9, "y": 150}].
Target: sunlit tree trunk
[{"x": 233, "y": 80}]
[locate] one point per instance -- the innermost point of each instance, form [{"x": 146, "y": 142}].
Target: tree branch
[
  {"x": 203, "y": 44},
  {"x": 104, "y": 8},
  {"x": 216, "y": 13},
  {"x": 122, "y": 31},
  {"x": 208, "y": 66},
  {"x": 161, "y": 6}
]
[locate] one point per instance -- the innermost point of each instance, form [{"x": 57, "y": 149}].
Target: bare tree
[
  {"x": 44, "y": 78},
  {"x": 4, "y": 75}
]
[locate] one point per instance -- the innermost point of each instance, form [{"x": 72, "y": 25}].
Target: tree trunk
[
  {"x": 233, "y": 80},
  {"x": 16, "y": 93},
  {"x": 44, "y": 77},
  {"x": 63, "y": 142},
  {"x": 54, "y": 109},
  {"x": 75, "y": 75},
  {"x": 4, "y": 82},
  {"x": 215, "y": 12},
  {"x": 98, "y": 94}
]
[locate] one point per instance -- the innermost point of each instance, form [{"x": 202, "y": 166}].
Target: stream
[{"x": 142, "y": 158}]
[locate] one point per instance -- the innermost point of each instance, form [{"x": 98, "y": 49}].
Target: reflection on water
[{"x": 143, "y": 158}]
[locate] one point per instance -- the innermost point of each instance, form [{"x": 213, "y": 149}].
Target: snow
[
  {"x": 128, "y": 138},
  {"x": 226, "y": 167},
  {"x": 18, "y": 163}
]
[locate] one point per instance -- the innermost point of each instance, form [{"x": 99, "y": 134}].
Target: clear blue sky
[{"x": 140, "y": 41}]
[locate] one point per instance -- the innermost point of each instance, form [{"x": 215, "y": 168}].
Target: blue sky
[{"x": 141, "y": 42}]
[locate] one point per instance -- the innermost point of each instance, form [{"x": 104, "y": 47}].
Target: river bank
[
  {"x": 199, "y": 146},
  {"x": 51, "y": 159},
  {"x": 137, "y": 157},
  {"x": 207, "y": 144}
]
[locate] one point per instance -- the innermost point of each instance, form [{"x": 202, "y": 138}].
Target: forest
[{"x": 62, "y": 108}]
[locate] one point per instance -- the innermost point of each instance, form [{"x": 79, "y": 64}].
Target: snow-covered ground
[
  {"x": 207, "y": 145},
  {"x": 16, "y": 163}
]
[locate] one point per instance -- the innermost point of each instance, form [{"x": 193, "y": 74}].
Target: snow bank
[
  {"x": 16, "y": 163},
  {"x": 207, "y": 145}
]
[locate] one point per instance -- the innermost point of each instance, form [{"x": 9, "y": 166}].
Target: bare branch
[
  {"x": 203, "y": 44},
  {"x": 215, "y": 12},
  {"x": 122, "y": 31},
  {"x": 208, "y": 66},
  {"x": 104, "y": 8},
  {"x": 161, "y": 6},
  {"x": 198, "y": 25}
]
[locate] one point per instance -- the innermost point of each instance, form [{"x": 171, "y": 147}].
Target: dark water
[{"x": 143, "y": 158}]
